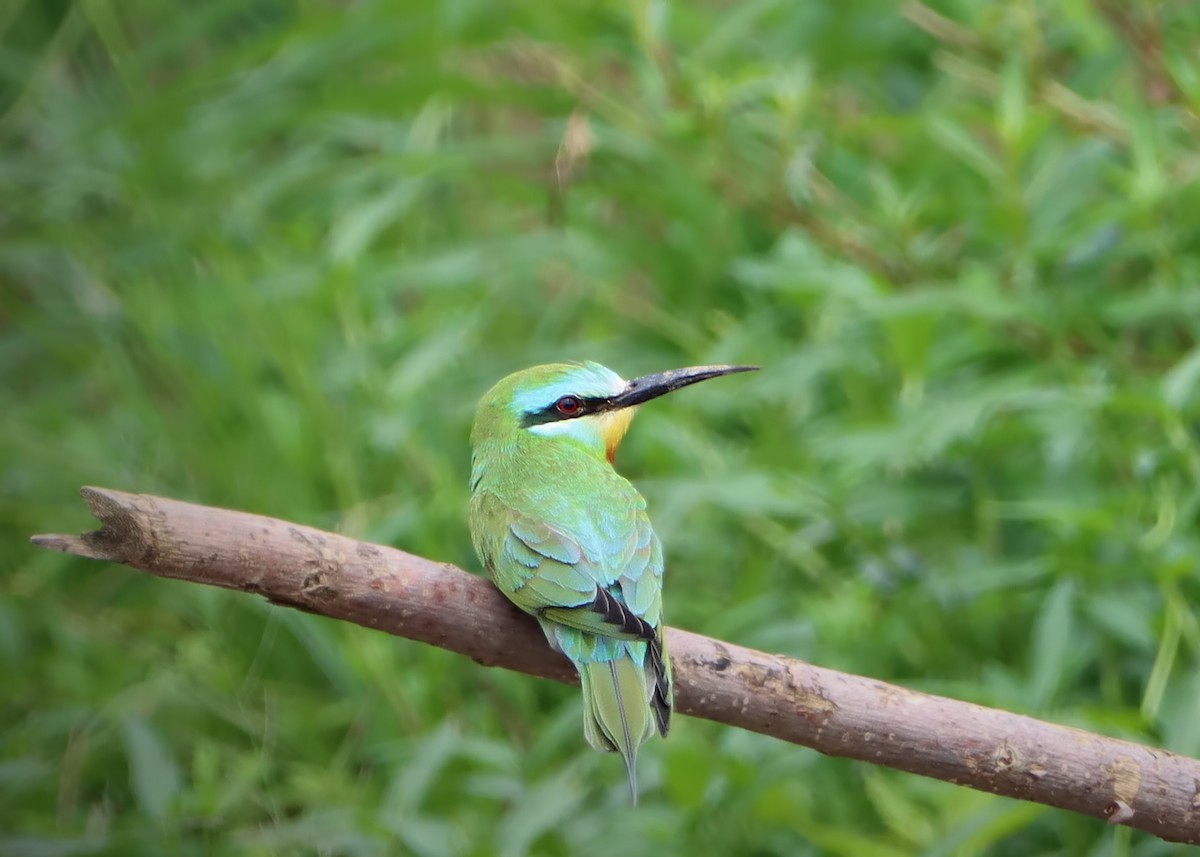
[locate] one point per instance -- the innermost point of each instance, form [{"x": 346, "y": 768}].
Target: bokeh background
[{"x": 267, "y": 255}]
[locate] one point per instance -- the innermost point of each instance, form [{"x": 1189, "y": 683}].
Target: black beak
[{"x": 649, "y": 387}]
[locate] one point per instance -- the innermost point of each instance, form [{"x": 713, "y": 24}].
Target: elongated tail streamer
[{"x": 617, "y": 715}]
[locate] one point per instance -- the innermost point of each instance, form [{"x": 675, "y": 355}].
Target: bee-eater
[{"x": 566, "y": 537}]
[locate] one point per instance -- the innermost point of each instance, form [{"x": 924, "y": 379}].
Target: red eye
[{"x": 568, "y": 406}]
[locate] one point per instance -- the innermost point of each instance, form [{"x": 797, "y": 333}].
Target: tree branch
[{"x": 835, "y": 713}]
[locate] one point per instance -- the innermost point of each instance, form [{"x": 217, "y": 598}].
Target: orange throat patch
[{"x": 613, "y": 426}]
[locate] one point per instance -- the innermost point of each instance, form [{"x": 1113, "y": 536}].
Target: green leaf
[
  {"x": 1012, "y": 107},
  {"x": 353, "y": 233},
  {"x": 905, "y": 817},
  {"x": 1051, "y": 644},
  {"x": 964, "y": 146},
  {"x": 153, "y": 774},
  {"x": 1179, "y": 384},
  {"x": 546, "y": 806},
  {"x": 1164, "y": 661},
  {"x": 1181, "y": 726}
]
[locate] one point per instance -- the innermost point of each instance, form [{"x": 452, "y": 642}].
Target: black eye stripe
[{"x": 551, "y": 413}]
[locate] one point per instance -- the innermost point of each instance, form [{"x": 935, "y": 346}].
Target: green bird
[{"x": 566, "y": 538}]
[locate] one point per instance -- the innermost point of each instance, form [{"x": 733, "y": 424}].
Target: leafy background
[{"x": 268, "y": 254}]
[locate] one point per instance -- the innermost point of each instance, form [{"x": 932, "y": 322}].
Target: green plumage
[{"x": 566, "y": 538}]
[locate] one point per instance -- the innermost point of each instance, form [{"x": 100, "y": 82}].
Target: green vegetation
[{"x": 268, "y": 254}]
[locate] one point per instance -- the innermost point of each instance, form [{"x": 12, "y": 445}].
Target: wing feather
[
  {"x": 612, "y": 593},
  {"x": 547, "y": 572}
]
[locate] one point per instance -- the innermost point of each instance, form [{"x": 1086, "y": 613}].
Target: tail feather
[
  {"x": 617, "y": 713},
  {"x": 661, "y": 698},
  {"x": 628, "y": 748}
]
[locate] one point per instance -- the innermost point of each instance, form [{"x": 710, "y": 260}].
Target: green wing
[{"x": 612, "y": 590}]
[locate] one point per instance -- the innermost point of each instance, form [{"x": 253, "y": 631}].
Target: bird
[{"x": 567, "y": 539}]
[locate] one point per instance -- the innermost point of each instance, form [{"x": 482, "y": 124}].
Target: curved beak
[{"x": 649, "y": 387}]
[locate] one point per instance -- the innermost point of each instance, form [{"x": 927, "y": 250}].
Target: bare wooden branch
[{"x": 835, "y": 713}]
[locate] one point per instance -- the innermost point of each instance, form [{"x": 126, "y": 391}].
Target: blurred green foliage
[{"x": 268, "y": 255}]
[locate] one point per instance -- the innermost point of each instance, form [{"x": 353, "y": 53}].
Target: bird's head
[{"x": 586, "y": 403}]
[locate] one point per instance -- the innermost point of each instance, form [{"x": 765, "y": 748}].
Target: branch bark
[{"x": 836, "y": 713}]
